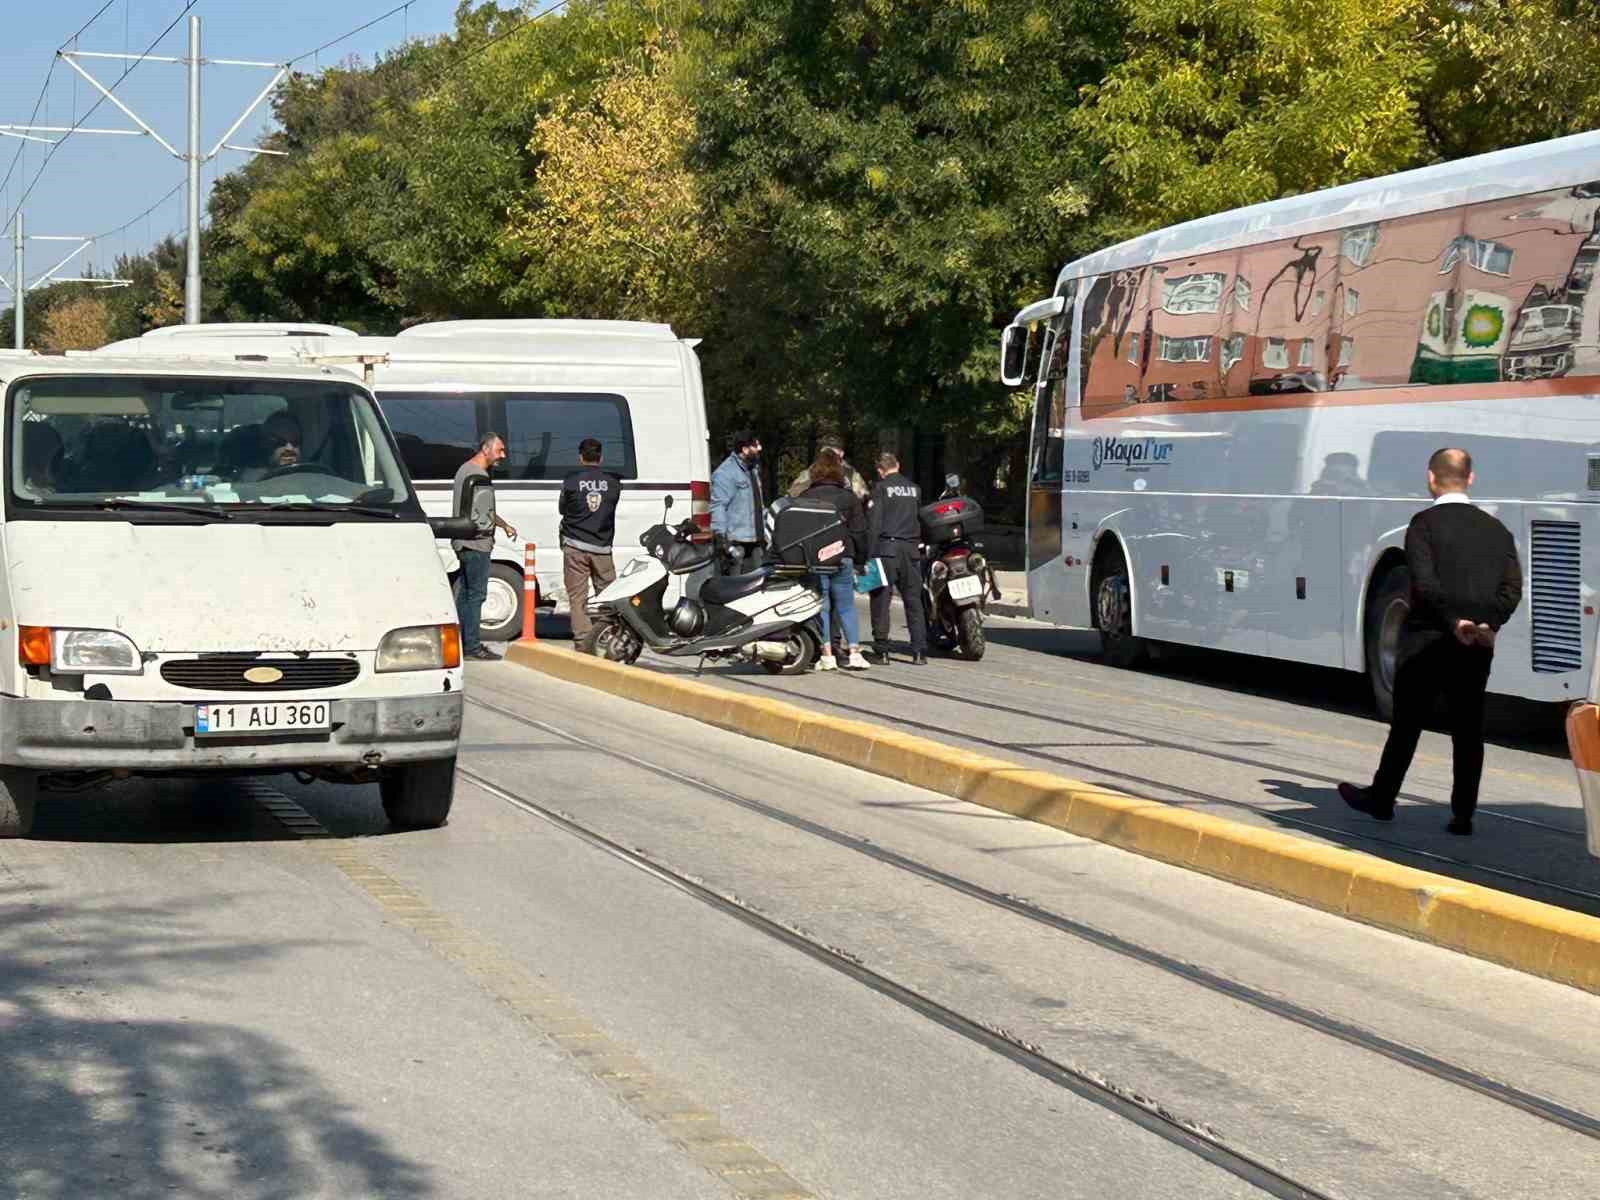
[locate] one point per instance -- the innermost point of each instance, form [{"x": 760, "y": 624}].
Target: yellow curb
[{"x": 1525, "y": 935}]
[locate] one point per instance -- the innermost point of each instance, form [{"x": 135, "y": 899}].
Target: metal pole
[
  {"x": 21, "y": 290},
  {"x": 191, "y": 291}
]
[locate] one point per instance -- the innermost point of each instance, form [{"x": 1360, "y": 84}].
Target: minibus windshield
[{"x": 225, "y": 447}]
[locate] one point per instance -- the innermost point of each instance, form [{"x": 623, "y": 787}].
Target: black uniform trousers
[
  {"x": 902, "y": 573},
  {"x": 1460, "y": 674}
]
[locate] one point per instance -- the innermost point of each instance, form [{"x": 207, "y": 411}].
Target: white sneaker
[
  {"x": 856, "y": 662},
  {"x": 827, "y": 663}
]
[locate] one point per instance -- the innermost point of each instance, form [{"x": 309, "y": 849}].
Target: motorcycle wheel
[
  {"x": 970, "y": 623},
  {"x": 803, "y": 651},
  {"x": 609, "y": 639}
]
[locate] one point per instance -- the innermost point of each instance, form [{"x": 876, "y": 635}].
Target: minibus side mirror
[
  {"x": 457, "y": 529},
  {"x": 1013, "y": 355}
]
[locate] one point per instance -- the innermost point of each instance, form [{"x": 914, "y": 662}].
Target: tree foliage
[
  {"x": 614, "y": 225},
  {"x": 844, "y": 198},
  {"x": 81, "y": 323}
]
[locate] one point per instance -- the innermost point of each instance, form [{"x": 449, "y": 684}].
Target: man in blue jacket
[{"x": 737, "y": 505}]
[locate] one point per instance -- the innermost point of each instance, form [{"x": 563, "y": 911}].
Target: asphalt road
[
  {"x": 1244, "y": 738},
  {"x": 650, "y": 959}
]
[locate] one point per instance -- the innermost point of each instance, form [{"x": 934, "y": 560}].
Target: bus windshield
[{"x": 117, "y": 442}]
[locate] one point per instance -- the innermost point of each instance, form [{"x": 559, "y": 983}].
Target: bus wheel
[
  {"x": 1113, "y": 611},
  {"x": 1388, "y": 605}
]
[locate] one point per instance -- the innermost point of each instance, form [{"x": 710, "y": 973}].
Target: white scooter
[{"x": 769, "y": 616}]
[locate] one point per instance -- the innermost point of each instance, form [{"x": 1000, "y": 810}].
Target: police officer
[
  {"x": 895, "y": 532},
  {"x": 589, "y": 498}
]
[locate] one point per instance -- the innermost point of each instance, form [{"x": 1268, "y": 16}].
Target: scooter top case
[{"x": 807, "y": 534}]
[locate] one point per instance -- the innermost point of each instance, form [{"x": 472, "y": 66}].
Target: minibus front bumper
[{"x": 158, "y": 736}]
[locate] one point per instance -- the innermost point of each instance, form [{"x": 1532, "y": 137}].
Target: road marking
[{"x": 694, "y": 1129}]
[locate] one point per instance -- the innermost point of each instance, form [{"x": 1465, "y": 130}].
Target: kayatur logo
[{"x": 1132, "y": 453}]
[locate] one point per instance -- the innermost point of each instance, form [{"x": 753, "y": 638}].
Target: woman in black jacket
[{"x": 839, "y": 589}]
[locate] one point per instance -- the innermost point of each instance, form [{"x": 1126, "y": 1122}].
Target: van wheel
[
  {"x": 1388, "y": 605},
  {"x": 418, "y": 795},
  {"x": 19, "y": 789},
  {"x": 1113, "y": 610},
  {"x": 502, "y": 604}
]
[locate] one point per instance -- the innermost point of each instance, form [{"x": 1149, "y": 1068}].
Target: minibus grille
[
  {"x": 1556, "y": 599},
  {"x": 226, "y": 672}
]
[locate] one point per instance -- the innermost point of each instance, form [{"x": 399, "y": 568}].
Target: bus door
[{"x": 1048, "y": 593}]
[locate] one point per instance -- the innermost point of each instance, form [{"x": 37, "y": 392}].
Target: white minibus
[
  {"x": 544, "y": 385},
  {"x": 216, "y": 568}
]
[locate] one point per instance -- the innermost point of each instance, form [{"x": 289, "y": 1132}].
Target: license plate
[
  {"x": 246, "y": 720},
  {"x": 964, "y": 586}
]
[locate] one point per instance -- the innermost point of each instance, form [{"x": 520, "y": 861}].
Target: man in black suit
[{"x": 1465, "y": 584}]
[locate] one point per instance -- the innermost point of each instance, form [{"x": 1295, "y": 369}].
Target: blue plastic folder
[{"x": 871, "y": 577}]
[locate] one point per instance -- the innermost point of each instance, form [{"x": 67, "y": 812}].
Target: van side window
[
  {"x": 437, "y": 431},
  {"x": 543, "y": 430}
]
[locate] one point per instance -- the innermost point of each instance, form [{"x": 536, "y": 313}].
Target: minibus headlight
[
  {"x": 420, "y": 648},
  {"x": 82, "y": 651}
]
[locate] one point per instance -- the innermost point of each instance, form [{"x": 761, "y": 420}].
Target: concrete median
[{"x": 1526, "y": 935}]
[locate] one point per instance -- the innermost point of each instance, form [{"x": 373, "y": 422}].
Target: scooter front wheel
[
  {"x": 803, "y": 650},
  {"x": 610, "y": 639}
]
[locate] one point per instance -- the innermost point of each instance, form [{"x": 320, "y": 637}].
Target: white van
[
  {"x": 545, "y": 385},
  {"x": 216, "y": 568}
]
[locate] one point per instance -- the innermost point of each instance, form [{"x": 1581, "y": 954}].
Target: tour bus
[
  {"x": 545, "y": 385},
  {"x": 214, "y": 569},
  {"x": 1232, "y": 419}
]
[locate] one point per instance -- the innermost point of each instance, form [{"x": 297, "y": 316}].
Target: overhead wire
[
  {"x": 344, "y": 37},
  {"x": 78, "y": 124},
  {"x": 5, "y": 182}
]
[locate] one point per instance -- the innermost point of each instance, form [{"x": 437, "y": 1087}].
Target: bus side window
[{"x": 1113, "y": 342}]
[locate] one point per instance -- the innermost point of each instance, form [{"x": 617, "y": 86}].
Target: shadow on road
[
  {"x": 139, "y": 1109},
  {"x": 1515, "y": 723},
  {"x": 1505, "y": 847},
  {"x": 177, "y": 811}
]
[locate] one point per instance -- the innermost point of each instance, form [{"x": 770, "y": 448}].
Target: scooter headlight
[{"x": 635, "y": 565}]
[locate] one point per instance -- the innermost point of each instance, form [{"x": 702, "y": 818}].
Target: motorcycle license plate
[
  {"x": 247, "y": 720},
  {"x": 965, "y": 587}
]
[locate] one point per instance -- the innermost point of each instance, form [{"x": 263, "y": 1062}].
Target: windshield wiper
[
  {"x": 209, "y": 511},
  {"x": 365, "y": 510}
]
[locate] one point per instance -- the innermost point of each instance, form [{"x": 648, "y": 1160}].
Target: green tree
[
  {"x": 614, "y": 225},
  {"x": 902, "y": 172}
]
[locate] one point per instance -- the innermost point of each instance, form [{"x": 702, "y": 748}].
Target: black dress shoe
[
  {"x": 1360, "y": 799},
  {"x": 881, "y": 657},
  {"x": 1459, "y": 827}
]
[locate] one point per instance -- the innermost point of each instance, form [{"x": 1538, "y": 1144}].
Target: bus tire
[
  {"x": 19, "y": 790},
  {"x": 502, "y": 605},
  {"x": 1388, "y": 604},
  {"x": 1113, "y": 609},
  {"x": 419, "y": 795}
]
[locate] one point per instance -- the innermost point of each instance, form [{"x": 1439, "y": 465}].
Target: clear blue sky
[{"x": 95, "y": 184}]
